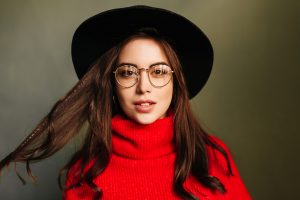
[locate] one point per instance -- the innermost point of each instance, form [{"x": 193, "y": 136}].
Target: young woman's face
[{"x": 143, "y": 102}]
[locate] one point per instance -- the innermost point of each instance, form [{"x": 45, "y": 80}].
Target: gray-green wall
[{"x": 251, "y": 100}]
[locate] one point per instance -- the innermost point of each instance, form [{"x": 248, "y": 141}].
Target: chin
[{"x": 145, "y": 119}]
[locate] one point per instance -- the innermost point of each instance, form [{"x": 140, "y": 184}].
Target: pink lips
[{"x": 144, "y": 106}]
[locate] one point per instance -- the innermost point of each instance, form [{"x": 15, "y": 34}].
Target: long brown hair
[{"x": 90, "y": 102}]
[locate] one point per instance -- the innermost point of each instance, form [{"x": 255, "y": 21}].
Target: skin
[{"x": 143, "y": 52}]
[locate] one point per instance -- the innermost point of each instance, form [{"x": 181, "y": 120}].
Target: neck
[{"x": 138, "y": 141}]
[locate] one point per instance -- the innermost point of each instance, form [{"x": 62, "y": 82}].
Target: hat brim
[{"x": 99, "y": 33}]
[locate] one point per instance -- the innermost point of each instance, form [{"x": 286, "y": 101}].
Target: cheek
[{"x": 124, "y": 97}]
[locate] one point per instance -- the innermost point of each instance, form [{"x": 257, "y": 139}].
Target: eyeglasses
[{"x": 159, "y": 74}]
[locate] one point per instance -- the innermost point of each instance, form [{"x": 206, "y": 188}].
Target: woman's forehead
[{"x": 142, "y": 51}]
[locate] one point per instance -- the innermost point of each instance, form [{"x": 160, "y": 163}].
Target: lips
[{"x": 144, "y": 106}]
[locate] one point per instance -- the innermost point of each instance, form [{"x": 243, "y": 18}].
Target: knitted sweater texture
[{"x": 142, "y": 166}]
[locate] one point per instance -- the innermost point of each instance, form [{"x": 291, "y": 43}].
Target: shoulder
[
  {"x": 220, "y": 165},
  {"x": 217, "y": 146},
  {"x": 214, "y": 139},
  {"x": 219, "y": 156}
]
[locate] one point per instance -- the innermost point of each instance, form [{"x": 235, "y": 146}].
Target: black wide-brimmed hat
[{"x": 99, "y": 33}]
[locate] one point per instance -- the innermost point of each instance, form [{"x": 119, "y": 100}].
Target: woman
[{"x": 138, "y": 67}]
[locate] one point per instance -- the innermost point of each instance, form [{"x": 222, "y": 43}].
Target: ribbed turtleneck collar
[{"x": 137, "y": 141}]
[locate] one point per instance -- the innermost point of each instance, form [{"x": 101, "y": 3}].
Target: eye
[
  {"x": 126, "y": 71},
  {"x": 159, "y": 70}
]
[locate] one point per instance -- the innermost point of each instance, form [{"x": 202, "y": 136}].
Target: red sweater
[{"x": 142, "y": 167}]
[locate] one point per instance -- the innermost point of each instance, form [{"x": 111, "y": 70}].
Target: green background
[{"x": 251, "y": 100}]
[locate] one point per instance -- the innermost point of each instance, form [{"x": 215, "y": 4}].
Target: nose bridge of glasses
[{"x": 142, "y": 69}]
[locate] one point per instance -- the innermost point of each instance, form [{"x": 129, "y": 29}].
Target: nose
[{"x": 143, "y": 84}]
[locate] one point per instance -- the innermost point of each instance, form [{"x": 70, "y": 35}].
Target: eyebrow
[{"x": 156, "y": 63}]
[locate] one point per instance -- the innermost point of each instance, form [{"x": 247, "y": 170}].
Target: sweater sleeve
[{"x": 234, "y": 185}]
